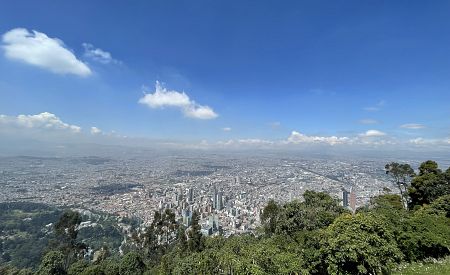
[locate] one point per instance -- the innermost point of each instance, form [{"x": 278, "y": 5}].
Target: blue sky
[{"x": 251, "y": 71}]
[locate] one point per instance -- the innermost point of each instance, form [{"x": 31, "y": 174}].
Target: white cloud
[
  {"x": 163, "y": 97},
  {"x": 372, "y": 133},
  {"x": 98, "y": 54},
  {"x": 368, "y": 121},
  {"x": 36, "y": 48},
  {"x": 226, "y": 129},
  {"x": 413, "y": 126},
  {"x": 429, "y": 141},
  {"x": 95, "y": 131},
  {"x": 198, "y": 111},
  {"x": 42, "y": 121},
  {"x": 297, "y": 138}
]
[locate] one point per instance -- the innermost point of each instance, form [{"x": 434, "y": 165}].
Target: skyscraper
[
  {"x": 344, "y": 198},
  {"x": 217, "y": 200},
  {"x": 352, "y": 199},
  {"x": 190, "y": 195}
]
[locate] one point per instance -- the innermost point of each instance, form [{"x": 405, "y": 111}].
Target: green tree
[
  {"x": 360, "y": 244},
  {"x": 66, "y": 232},
  {"x": 131, "y": 264},
  {"x": 424, "y": 236},
  {"x": 182, "y": 239},
  {"x": 317, "y": 211},
  {"x": 66, "y": 227},
  {"x": 53, "y": 263},
  {"x": 77, "y": 267},
  {"x": 429, "y": 185},
  {"x": 401, "y": 175},
  {"x": 93, "y": 270},
  {"x": 111, "y": 266},
  {"x": 269, "y": 217},
  {"x": 429, "y": 167},
  {"x": 440, "y": 206},
  {"x": 196, "y": 240}
]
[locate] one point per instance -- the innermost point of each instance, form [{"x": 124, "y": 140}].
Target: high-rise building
[
  {"x": 190, "y": 195},
  {"x": 187, "y": 217},
  {"x": 352, "y": 201},
  {"x": 217, "y": 200},
  {"x": 344, "y": 198}
]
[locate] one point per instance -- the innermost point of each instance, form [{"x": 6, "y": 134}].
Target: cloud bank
[
  {"x": 166, "y": 98},
  {"x": 297, "y": 138},
  {"x": 43, "y": 121},
  {"x": 37, "y": 49}
]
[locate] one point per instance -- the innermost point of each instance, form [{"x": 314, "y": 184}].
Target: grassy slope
[{"x": 440, "y": 267}]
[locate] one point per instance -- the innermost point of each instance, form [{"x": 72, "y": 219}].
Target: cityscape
[
  {"x": 224, "y": 137},
  {"x": 229, "y": 191}
]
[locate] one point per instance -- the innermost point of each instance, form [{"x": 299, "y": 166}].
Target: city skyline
[{"x": 200, "y": 75}]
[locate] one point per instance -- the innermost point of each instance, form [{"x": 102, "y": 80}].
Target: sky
[{"x": 225, "y": 74}]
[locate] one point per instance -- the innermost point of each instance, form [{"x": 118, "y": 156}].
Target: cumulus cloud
[
  {"x": 166, "y": 98},
  {"x": 95, "y": 131},
  {"x": 42, "y": 121},
  {"x": 412, "y": 126},
  {"x": 37, "y": 49},
  {"x": 298, "y": 138},
  {"x": 372, "y": 133},
  {"x": 98, "y": 54},
  {"x": 226, "y": 129}
]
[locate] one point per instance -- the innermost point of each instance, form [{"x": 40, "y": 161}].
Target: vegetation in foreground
[
  {"x": 314, "y": 236},
  {"x": 431, "y": 267}
]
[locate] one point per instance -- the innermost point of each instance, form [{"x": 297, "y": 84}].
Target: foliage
[
  {"x": 195, "y": 242},
  {"x": 314, "y": 236},
  {"x": 317, "y": 211},
  {"x": 430, "y": 184},
  {"x": 401, "y": 174},
  {"x": 24, "y": 232},
  {"x": 131, "y": 264},
  {"x": 269, "y": 217},
  {"x": 424, "y": 236},
  {"x": 78, "y": 267},
  {"x": 52, "y": 264},
  {"x": 360, "y": 244}
]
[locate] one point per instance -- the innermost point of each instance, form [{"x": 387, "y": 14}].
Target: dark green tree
[
  {"x": 429, "y": 185},
  {"x": 195, "y": 241},
  {"x": 401, "y": 175},
  {"x": 131, "y": 264},
  {"x": 360, "y": 244},
  {"x": 429, "y": 167},
  {"x": 53, "y": 263},
  {"x": 77, "y": 267},
  {"x": 182, "y": 239},
  {"x": 317, "y": 211},
  {"x": 425, "y": 235},
  {"x": 66, "y": 232},
  {"x": 269, "y": 217}
]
